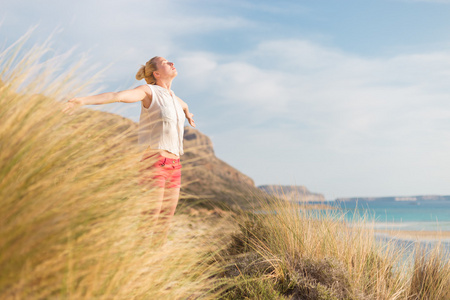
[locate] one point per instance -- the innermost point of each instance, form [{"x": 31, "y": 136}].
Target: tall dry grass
[
  {"x": 71, "y": 203},
  {"x": 289, "y": 251}
]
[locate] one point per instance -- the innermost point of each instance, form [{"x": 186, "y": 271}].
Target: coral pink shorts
[{"x": 162, "y": 172}]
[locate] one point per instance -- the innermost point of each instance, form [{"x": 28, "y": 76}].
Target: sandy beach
[{"x": 422, "y": 235}]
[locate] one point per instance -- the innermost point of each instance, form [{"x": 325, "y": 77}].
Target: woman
[{"x": 161, "y": 128}]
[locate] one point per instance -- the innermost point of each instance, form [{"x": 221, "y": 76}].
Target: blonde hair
[{"x": 146, "y": 72}]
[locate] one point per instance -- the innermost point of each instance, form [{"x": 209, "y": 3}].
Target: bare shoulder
[
  {"x": 182, "y": 103},
  {"x": 145, "y": 88},
  {"x": 179, "y": 99}
]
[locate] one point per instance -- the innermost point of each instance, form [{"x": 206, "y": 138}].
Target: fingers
[
  {"x": 191, "y": 120},
  {"x": 71, "y": 105},
  {"x": 68, "y": 108}
]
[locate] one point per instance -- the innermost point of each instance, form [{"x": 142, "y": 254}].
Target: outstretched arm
[
  {"x": 127, "y": 96},
  {"x": 189, "y": 116}
]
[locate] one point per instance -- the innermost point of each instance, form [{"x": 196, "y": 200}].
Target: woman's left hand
[{"x": 190, "y": 119}]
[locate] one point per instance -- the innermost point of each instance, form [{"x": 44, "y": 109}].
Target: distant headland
[{"x": 397, "y": 198}]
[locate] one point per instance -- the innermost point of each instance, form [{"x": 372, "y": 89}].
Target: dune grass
[
  {"x": 72, "y": 224},
  {"x": 288, "y": 251}
]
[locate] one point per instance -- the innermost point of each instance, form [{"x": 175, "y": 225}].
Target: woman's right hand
[{"x": 71, "y": 105}]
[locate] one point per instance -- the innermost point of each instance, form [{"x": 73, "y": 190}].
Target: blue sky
[{"x": 349, "y": 98}]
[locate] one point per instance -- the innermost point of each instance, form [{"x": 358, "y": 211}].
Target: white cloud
[{"x": 351, "y": 92}]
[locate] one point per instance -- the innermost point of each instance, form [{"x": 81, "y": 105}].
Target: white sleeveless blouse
[{"x": 161, "y": 126}]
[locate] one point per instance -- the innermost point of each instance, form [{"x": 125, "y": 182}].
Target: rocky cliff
[
  {"x": 207, "y": 177},
  {"x": 292, "y": 193}
]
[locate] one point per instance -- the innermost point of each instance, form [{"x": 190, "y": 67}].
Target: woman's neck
[{"x": 164, "y": 83}]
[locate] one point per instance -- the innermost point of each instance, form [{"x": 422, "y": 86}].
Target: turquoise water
[{"x": 402, "y": 215}]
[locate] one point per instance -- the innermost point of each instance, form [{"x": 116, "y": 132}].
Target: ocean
[
  {"x": 419, "y": 215},
  {"x": 426, "y": 215}
]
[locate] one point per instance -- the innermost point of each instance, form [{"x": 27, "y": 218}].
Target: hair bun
[{"x": 141, "y": 73}]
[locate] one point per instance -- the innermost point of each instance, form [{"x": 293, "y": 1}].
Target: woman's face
[{"x": 166, "y": 69}]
